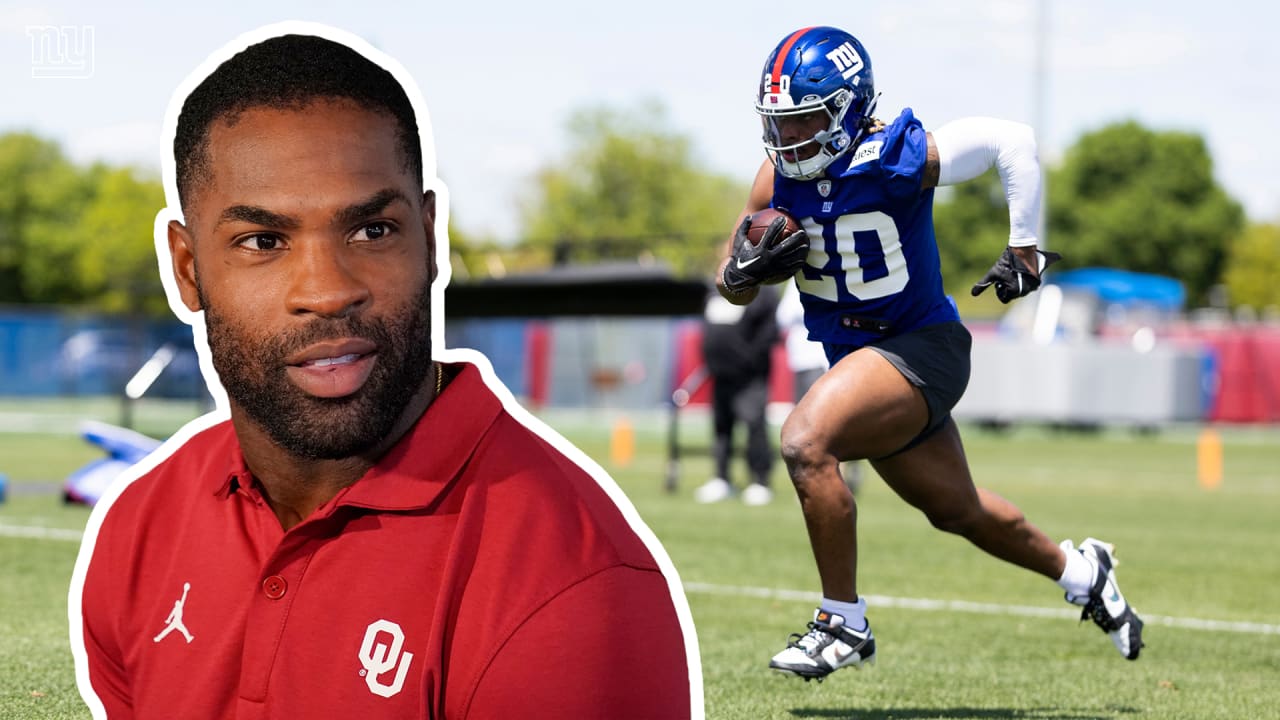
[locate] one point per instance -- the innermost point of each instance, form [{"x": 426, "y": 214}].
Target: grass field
[{"x": 960, "y": 636}]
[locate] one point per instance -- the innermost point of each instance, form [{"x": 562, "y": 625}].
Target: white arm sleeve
[{"x": 970, "y": 146}]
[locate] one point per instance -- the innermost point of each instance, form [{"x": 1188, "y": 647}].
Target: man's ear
[
  {"x": 182, "y": 251},
  {"x": 429, "y": 225}
]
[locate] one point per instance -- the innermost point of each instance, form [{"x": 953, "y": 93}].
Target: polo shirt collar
[{"x": 419, "y": 467}]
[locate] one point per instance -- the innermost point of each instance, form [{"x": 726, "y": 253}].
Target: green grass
[
  {"x": 36, "y": 677},
  {"x": 1186, "y": 553}
]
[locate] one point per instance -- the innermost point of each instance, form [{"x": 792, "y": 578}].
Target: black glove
[
  {"x": 765, "y": 261},
  {"x": 1012, "y": 277}
]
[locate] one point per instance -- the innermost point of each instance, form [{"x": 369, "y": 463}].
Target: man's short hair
[{"x": 286, "y": 73}]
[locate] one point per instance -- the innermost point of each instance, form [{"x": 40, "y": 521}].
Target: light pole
[{"x": 1040, "y": 93}]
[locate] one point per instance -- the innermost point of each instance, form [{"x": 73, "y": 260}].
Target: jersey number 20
[{"x": 868, "y": 257}]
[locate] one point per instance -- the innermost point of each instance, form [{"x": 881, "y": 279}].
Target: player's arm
[
  {"x": 745, "y": 265},
  {"x": 964, "y": 149},
  {"x": 611, "y": 646},
  {"x": 757, "y": 199}
]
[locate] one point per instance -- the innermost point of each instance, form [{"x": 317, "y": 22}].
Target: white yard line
[
  {"x": 38, "y": 532},
  {"x": 885, "y": 601}
]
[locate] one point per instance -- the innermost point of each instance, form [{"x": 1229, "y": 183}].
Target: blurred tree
[
  {"x": 1253, "y": 267},
  {"x": 43, "y": 194},
  {"x": 971, "y": 221},
  {"x": 1132, "y": 198},
  {"x": 115, "y": 260},
  {"x": 473, "y": 255},
  {"x": 630, "y": 187},
  {"x": 75, "y": 236},
  {"x": 1125, "y": 197}
]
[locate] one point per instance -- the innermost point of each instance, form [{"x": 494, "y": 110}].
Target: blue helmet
[{"x": 815, "y": 70}]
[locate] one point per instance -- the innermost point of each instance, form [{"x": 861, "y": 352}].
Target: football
[{"x": 760, "y": 222}]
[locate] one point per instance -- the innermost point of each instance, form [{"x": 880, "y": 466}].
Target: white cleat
[
  {"x": 1104, "y": 604},
  {"x": 828, "y": 646}
]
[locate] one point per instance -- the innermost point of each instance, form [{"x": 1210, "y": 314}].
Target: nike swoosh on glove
[
  {"x": 766, "y": 261},
  {"x": 1012, "y": 278}
]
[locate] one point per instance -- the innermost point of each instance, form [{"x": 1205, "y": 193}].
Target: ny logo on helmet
[{"x": 847, "y": 61}]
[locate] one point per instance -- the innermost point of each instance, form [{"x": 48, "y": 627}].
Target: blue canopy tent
[{"x": 1124, "y": 287}]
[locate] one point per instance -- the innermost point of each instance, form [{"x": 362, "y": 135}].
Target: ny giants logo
[
  {"x": 61, "y": 51},
  {"x": 847, "y": 60},
  {"x": 379, "y": 658}
]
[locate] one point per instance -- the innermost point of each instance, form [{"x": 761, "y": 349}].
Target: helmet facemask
[{"x": 837, "y": 138}]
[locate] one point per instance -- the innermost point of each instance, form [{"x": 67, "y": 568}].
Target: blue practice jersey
[{"x": 872, "y": 269}]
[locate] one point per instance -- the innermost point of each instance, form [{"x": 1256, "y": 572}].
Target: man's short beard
[{"x": 252, "y": 370}]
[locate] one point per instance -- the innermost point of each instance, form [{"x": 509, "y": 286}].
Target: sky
[{"x": 502, "y": 78}]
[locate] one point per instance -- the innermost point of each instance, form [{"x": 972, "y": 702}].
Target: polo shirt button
[{"x": 275, "y": 587}]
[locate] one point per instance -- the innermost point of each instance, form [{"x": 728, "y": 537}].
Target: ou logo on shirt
[{"x": 379, "y": 658}]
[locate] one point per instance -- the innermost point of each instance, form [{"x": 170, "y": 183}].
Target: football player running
[{"x": 866, "y": 264}]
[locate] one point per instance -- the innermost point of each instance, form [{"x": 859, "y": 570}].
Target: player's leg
[
  {"x": 719, "y": 488},
  {"x": 861, "y": 407},
  {"x": 933, "y": 476}
]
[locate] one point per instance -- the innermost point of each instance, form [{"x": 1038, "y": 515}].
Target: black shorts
[{"x": 934, "y": 358}]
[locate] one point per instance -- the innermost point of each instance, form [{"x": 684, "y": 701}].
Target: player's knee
[
  {"x": 804, "y": 450},
  {"x": 957, "y": 521}
]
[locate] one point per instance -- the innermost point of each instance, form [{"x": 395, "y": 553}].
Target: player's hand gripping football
[
  {"x": 1012, "y": 277},
  {"x": 772, "y": 259}
]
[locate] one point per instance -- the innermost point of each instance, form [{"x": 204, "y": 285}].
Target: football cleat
[
  {"x": 1104, "y": 604},
  {"x": 713, "y": 491},
  {"x": 828, "y": 646}
]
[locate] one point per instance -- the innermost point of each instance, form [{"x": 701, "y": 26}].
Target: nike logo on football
[{"x": 747, "y": 263}]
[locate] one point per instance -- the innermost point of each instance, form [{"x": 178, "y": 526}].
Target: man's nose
[
  {"x": 323, "y": 281},
  {"x": 791, "y": 133}
]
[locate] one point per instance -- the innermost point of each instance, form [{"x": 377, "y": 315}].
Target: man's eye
[
  {"x": 261, "y": 242},
  {"x": 374, "y": 231}
]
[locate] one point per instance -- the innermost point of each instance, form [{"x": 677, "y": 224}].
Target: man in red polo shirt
[{"x": 364, "y": 532}]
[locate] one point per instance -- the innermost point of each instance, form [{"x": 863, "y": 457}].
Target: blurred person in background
[{"x": 737, "y": 347}]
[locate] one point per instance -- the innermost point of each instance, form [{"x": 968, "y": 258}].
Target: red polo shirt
[{"x": 474, "y": 572}]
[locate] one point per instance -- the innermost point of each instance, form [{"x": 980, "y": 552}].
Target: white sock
[
  {"x": 854, "y": 614},
  {"x": 1078, "y": 575}
]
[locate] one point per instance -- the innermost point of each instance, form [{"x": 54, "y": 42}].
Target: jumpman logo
[{"x": 174, "y": 621}]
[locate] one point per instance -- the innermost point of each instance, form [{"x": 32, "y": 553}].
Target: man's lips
[
  {"x": 332, "y": 369},
  {"x": 330, "y": 352},
  {"x": 327, "y": 361}
]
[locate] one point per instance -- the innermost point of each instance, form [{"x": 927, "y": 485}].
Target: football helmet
[{"x": 819, "y": 70}]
